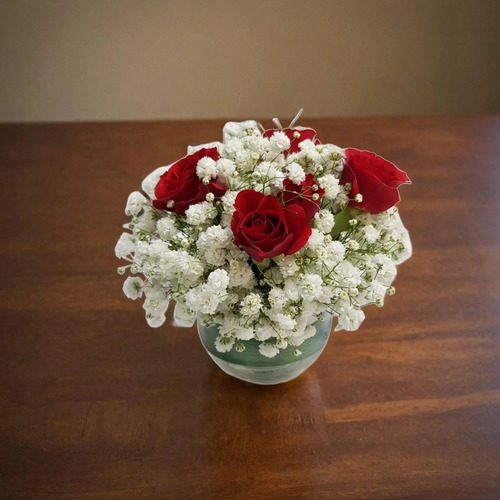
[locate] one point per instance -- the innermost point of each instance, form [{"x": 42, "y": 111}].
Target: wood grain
[
  {"x": 95, "y": 405},
  {"x": 410, "y": 407}
]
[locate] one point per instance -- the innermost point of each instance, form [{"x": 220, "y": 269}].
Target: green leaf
[
  {"x": 262, "y": 265},
  {"x": 342, "y": 220}
]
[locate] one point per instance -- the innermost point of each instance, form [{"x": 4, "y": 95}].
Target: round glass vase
[{"x": 253, "y": 367}]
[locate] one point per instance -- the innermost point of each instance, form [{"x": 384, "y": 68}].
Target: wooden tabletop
[{"x": 95, "y": 404}]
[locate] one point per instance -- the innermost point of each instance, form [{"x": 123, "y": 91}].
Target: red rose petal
[
  {"x": 383, "y": 169},
  {"x": 247, "y": 201},
  {"x": 263, "y": 228},
  {"x": 375, "y": 178},
  {"x": 181, "y": 185},
  {"x": 302, "y": 195},
  {"x": 298, "y": 225},
  {"x": 379, "y": 198}
]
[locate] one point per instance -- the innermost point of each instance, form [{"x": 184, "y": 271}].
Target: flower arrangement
[{"x": 264, "y": 234}]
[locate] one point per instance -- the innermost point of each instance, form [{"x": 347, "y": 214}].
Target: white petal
[
  {"x": 133, "y": 287},
  {"x": 155, "y": 321},
  {"x": 183, "y": 316},
  {"x": 149, "y": 183},
  {"x": 208, "y": 145}
]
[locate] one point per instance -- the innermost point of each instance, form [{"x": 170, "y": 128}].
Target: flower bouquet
[{"x": 263, "y": 236}]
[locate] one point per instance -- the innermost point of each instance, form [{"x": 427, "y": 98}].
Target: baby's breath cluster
[{"x": 190, "y": 256}]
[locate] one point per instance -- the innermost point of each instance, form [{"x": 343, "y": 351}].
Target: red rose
[
  {"x": 264, "y": 228},
  {"x": 375, "y": 178},
  {"x": 304, "y": 134},
  {"x": 303, "y": 194},
  {"x": 180, "y": 187}
]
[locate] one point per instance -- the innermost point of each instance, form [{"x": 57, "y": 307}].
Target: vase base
[{"x": 266, "y": 375}]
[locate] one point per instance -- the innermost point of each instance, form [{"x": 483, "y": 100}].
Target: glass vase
[{"x": 253, "y": 367}]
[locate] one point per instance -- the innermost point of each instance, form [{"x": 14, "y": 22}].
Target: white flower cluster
[{"x": 193, "y": 260}]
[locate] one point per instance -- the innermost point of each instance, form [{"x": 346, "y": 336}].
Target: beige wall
[{"x": 152, "y": 59}]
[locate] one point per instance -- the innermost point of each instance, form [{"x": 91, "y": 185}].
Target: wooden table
[{"x": 94, "y": 404}]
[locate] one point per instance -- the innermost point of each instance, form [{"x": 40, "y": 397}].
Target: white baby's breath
[
  {"x": 135, "y": 203},
  {"x": 330, "y": 184},
  {"x": 206, "y": 169},
  {"x": 279, "y": 141},
  {"x": 133, "y": 287},
  {"x": 268, "y": 350},
  {"x": 125, "y": 245},
  {"x": 296, "y": 173},
  {"x": 251, "y": 305},
  {"x": 200, "y": 213},
  {"x": 324, "y": 220},
  {"x": 166, "y": 228},
  {"x": 183, "y": 316},
  {"x": 348, "y": 261}
]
